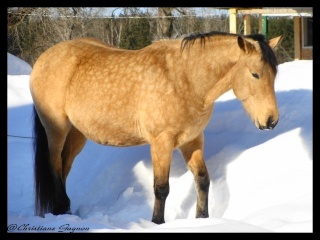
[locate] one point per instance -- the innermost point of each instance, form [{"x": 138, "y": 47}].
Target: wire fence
[{"x": 15, "y": 136}]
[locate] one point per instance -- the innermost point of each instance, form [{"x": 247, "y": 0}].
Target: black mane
[{"x": 267, "y": 52}]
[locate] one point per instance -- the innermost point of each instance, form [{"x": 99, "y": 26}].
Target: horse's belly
[
  {"x": 120, "y": 139},
  {"x": 111, "y": 134}
]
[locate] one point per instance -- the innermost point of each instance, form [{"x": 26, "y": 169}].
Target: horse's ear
[
  {"x": 245, "y": 45},
  {"x": 274, "y": 42},
  {"x": 241, "y": 43}
]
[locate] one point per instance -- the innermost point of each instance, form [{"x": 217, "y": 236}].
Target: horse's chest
[{"x": 192, "y": 128}]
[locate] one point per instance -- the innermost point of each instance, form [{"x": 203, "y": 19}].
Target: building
[{"x": 303, "y": 25}]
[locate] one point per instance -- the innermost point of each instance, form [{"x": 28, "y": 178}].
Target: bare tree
[
  {"x": 165, "y": 20},
  {"x": 16, "y": 15}
]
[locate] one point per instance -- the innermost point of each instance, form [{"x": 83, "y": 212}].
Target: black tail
[{"x": 44, "y": 182}]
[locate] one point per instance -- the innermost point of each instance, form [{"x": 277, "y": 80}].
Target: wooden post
[
  {"x": 247, "y": 24},
  {"x": 297, "y": 38},
  {"x": 264, "y": 25},
  {"x": 260, "y": 23},
  {"x": 233, "y": 20}
]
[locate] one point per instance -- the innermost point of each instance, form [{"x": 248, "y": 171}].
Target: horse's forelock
[{"x": 267, "y": 52}]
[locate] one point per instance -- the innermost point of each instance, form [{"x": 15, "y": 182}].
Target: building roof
[{"x": 275, "y": 11}]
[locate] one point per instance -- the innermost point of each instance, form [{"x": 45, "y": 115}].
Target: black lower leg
[
  {"x": 161, "y": 192},
  {"x": 61, "y": 203},
  {"x": 202, "y": 186}
]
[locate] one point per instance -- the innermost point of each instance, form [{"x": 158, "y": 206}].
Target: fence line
[
  {"x": 15, "y": 136},
  {"x": 118, "y": 17}
]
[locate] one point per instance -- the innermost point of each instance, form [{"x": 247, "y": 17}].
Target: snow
[
  {"x": 261, "y": 181},
  {"x": 19, "y": 67}
]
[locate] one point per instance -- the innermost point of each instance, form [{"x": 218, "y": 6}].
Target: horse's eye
[{"x": 255, "y": 75}]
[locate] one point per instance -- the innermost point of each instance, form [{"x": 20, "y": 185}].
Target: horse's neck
[
  {"x": 210, "y": 71},
  {"x": 218, "y": 89}
]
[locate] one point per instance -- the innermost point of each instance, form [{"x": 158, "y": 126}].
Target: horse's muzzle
[{"x": 270, "y": 124}]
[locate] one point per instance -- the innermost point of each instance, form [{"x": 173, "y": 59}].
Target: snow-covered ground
[{"x": 261, "y": 181}]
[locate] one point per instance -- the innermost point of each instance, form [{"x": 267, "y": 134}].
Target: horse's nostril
[{"x": 271, "y": 123}]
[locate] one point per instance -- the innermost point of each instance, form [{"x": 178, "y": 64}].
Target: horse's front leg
[
  {"x": 161, "y": 152},
  {"x": 193, "y": 155}
]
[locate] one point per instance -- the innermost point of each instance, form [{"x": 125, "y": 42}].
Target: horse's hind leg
[
  {"x": 57, "y": 133},
  {"x": 74, "y": 144},
  {"x": 193, "y": 155}
]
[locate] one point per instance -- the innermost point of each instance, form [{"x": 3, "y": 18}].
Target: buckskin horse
[{"x": 162, "y": 95}]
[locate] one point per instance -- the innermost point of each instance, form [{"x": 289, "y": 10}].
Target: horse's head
[{"x": 253, "y": 81}]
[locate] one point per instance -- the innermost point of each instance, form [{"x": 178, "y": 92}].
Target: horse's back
[{"x": 94, "y": 42}]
